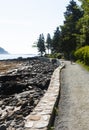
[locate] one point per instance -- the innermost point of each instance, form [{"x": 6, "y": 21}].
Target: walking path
[{"x": 73, "y": 109}]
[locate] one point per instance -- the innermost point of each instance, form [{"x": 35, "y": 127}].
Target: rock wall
[{"x": 42, "y": 116}]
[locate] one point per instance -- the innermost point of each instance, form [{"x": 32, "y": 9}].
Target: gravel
[{"x": 73, "y": 108}]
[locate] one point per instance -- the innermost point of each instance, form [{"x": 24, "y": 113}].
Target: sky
[{"x": 22, "y": 21}]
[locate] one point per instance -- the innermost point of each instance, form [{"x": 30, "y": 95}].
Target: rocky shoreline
[{"x": 21, "y": 89}]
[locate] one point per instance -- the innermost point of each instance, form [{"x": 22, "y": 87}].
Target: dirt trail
[{"x": 73, "y": 109}]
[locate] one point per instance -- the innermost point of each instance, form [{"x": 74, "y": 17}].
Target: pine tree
[
  {"x": 83, "y": 25},
  {"x": 41, "y": 44},
  {"x": 69, "y": 30},
  {"x": 56, "y": 41},
  {"x": 48, "y": 42}
]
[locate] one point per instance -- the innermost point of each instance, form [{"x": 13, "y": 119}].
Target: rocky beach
[{"x": 23, "y": 82}]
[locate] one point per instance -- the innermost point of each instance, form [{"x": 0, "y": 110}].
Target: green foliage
[
  {"x": 72, "y": 35},
  {"x": 55, "y": 55},
  {"x": 48, "y": 42},
  {"x": 56, "y": 41},
  {"x": 82, "y": 55},
  {"x": 51, "y": 128},
  {"x": 83, "y": 65},
  {"x": 34, "y": 44},
  {"x": 41, "y": 45},
  {"x": 69, "y": 30},
  {"x": 83, "y": 25}
]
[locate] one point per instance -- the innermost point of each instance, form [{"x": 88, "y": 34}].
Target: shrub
[
  {"x": 55, "y": 55},
  {"x": 82, "y": 55}
]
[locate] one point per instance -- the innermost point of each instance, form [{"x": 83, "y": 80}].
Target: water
[{"x": 15, "y": 56}]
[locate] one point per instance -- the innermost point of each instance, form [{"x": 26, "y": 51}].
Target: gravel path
[{"x": 73, "y": 109}]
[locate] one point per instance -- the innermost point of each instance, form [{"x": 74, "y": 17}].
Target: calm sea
[{"x": 15, "y": 56}]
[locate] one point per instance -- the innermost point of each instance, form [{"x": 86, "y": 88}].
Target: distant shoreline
[{"x": 16, "y": 56}]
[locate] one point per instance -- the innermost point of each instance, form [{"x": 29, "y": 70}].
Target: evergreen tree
[
  {"x": 56, "y": 41},
  {"x": 83, "y": 25},
  {"x": 41, "y": 44},
  {"x": 48, "y": 42},
  {"x": 69, "y": 30}
]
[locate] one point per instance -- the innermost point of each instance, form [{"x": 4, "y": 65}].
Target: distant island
[{"x": 3, "y": 51}]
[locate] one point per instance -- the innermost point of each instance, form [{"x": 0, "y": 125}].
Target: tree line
[{"x": 70, "y": 36}]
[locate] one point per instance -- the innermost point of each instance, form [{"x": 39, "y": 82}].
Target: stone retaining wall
[{"x": 42, "y": 116}]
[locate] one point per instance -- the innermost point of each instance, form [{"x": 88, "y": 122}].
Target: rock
[
  {"x": 19, "y": 117},
  {"x": 54, "y": 61},
  {"x": 24, "y": 104},
  {"x": 0, "y": 113},
  {"x": 11, "y": 87},
  {"x": 35, "y": 117},
  {"x": 3, "y": 127},
  {"x": 8, "y": 123},
  {"x": 36, "y": 102},
  {"x": 3, "y": 107},
  {"x": 1, "y": 102},
  {"x": 10, "y": 116},
  {"x": 30, "y": 87},
  {"x": 29, "y": 124},
  {"x": 20, "y": 91},
  {"x": 4, "y": 115},
  {"x": 41, "y": 124},
  {"x": 19, "y": 103}
]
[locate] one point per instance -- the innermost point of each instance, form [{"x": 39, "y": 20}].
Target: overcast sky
[{"x": 21, "y": 22}]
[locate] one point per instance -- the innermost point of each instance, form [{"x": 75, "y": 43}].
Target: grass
[{"x": 83, "y": 65}]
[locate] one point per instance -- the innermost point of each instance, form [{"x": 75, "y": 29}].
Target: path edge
[{"x": 42, "y": 118}]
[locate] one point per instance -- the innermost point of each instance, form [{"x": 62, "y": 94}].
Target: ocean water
[{"x": 15, "y": 56}]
